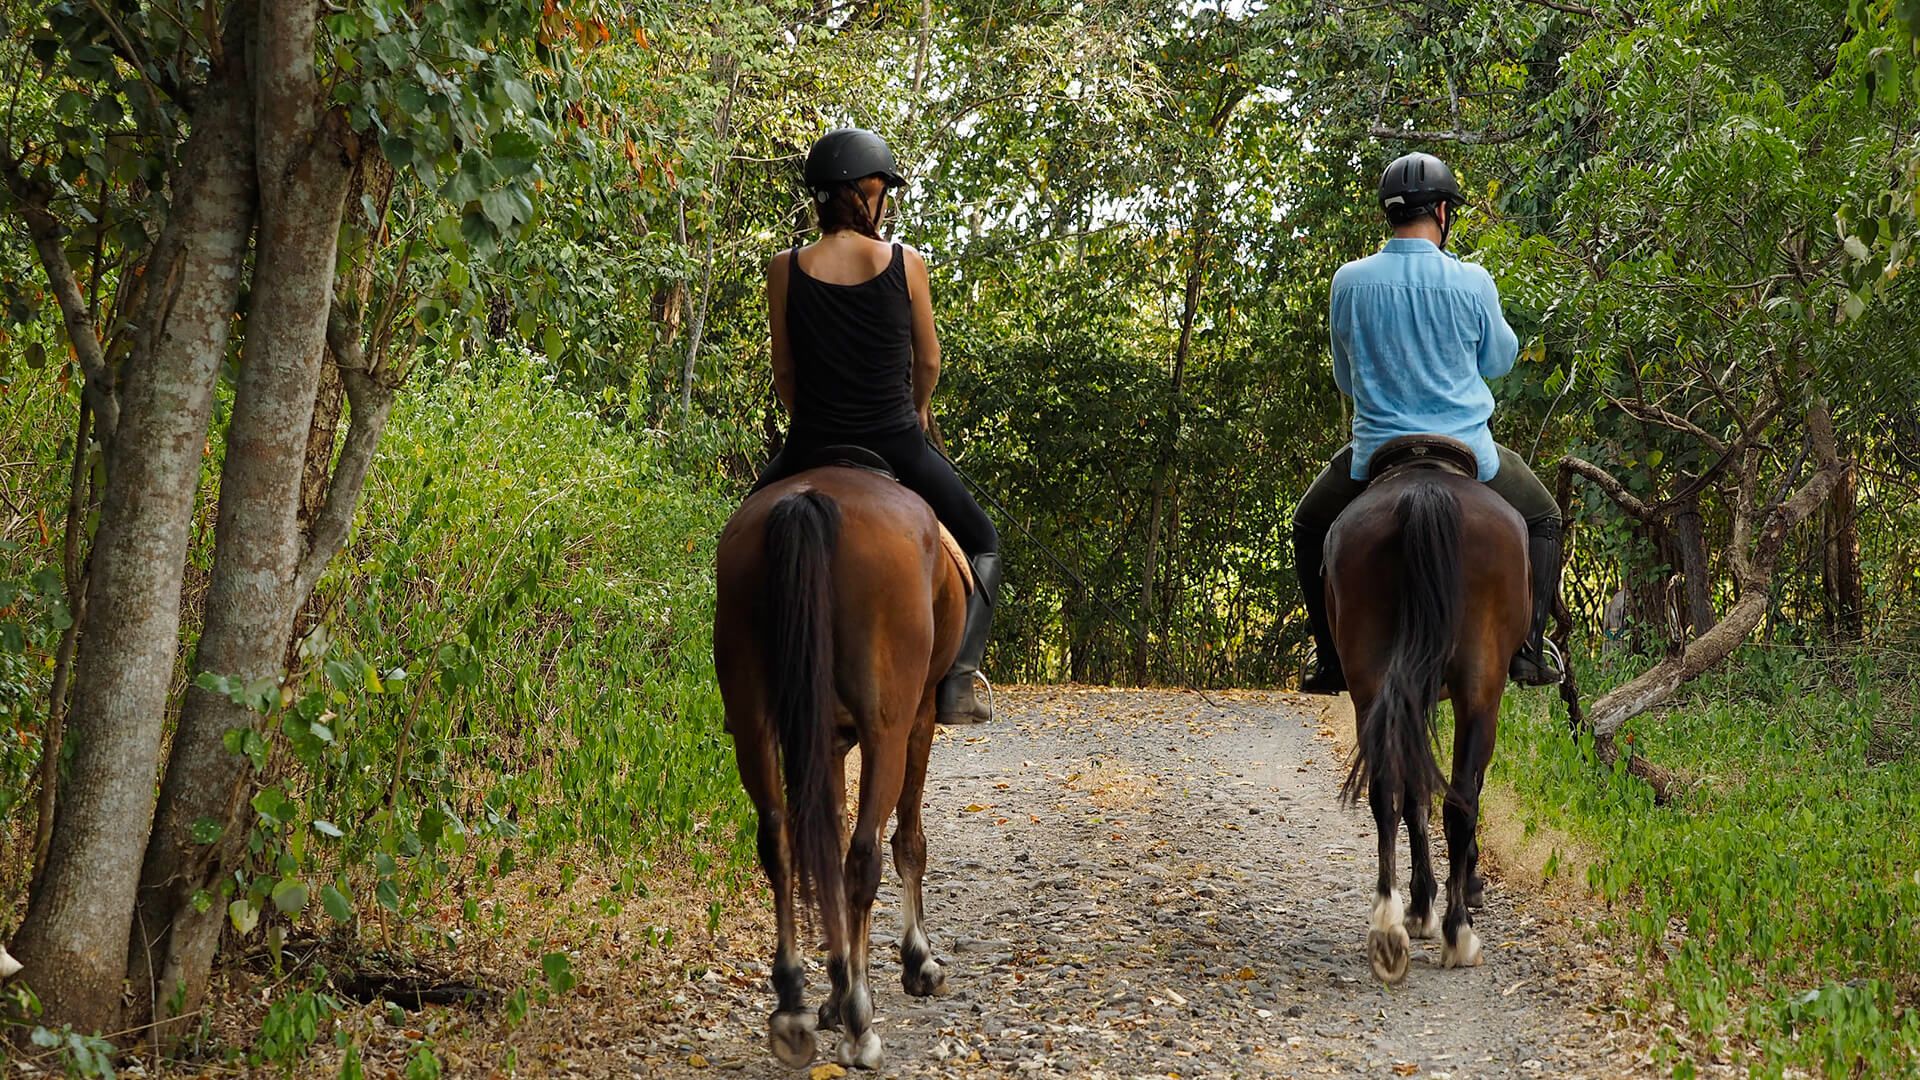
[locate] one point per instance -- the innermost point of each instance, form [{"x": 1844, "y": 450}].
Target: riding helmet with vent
[
  {"x": 847, "y": 154},
  {"x": 1415, "y": 182}
]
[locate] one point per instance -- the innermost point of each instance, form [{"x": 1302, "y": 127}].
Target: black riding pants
[{"x": 919, "y": 467}]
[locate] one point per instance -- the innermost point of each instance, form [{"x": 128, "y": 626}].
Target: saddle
[
  {"x": 1423, "y": 452},
  {"x": 849, "y": 456}
]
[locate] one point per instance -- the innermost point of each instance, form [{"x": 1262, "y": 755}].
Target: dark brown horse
[
  {"x": 838, "y": 612},
  {"x": 1429, "y": 594}
]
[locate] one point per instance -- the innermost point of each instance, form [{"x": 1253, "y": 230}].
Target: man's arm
[
  {"x": 1342, "y": 363},
  {"x": 1498, "y": 343}
]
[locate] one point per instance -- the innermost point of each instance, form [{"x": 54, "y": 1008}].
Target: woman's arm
[
  {"x": 777, "y": 323},
  {"x": 926, "y": 343}
]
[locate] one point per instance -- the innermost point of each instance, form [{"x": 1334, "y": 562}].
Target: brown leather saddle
[
  {"x": 849, "y": 456},
  {"x": 1422, "y": 452}
]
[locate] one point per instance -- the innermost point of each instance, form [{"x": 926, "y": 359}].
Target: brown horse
[
  {"x": 1429, "y": 594},
  {"x": 838, "y": 612}
]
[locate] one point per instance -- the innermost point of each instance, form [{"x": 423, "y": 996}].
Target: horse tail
[
  {"x": 802, "y": 531},
  {"x": 1396, "y": 736}
]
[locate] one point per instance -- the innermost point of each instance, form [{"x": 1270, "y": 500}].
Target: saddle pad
[{"x": 959, "y": 558}]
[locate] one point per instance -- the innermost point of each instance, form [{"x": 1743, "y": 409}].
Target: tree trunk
[
  {"x": 1689, "y": 537},
  {"x": 1162, "y": 470},
  {"x": 1845, "y": 593},
  {"x": 74, "y": 939},
  {"x": 1754, "y": 571},
  {"x": 723, "y": 66},
  {"x": 304, "y": 166}
]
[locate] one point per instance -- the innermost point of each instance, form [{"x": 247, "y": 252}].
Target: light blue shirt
[{"x": 1416, "y": 334}]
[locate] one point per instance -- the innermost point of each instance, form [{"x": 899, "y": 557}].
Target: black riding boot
[
  {"x": 1309, "y": 556},
  {"x": 957, "y": 703},
  {"x": 1538, "y": 663}
]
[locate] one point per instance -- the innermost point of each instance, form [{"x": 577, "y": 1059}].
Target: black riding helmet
[
  {"x": 1413, "y": 184},
  {"x": 844, "y": 155}
]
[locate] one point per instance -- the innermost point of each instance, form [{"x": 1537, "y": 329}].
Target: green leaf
[
  {"x": 327, "y": 829},
  {"x": 336, "y": 903},
  {"x": 244, "y": 915},
  {"x": 290, "y": 895},
  {"x": 558, "y": 969},
  {"x": 206, "y": 830}
]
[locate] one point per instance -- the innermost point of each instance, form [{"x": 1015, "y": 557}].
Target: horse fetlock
[
  {"x": 1423, "y": 926},
  {"x": 922, "y": 976},
  {"x": 860, "y": 1051},
  {"x": 790, "y": 1035},
  {"x": 1462, "y": 950},
  {"x": 830, "y": 1013}
]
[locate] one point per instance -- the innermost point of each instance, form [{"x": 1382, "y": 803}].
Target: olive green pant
[{"x": 1335, "y": 488}]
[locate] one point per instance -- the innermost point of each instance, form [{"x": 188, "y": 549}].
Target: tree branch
[
  {"x": 1654, "y": 414},
  {"x": 370, "y": 402},
  {"x": 1614, "y": 489},
  {"x": 45, "y": 230},
  {"x": 1464, "y": 138}
]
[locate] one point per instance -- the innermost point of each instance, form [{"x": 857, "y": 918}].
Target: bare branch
[
  {"x": 1654, "y": 414},
  {"x": 1614, "y": 489},
  {"x": 45, "y": 230},
  {"x": 370, "y": 402},
  {"x": 1464, "y": 138}
]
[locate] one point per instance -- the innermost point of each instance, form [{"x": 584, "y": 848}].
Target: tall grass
[
  {"x": 1777, "y": 901},
  {"x": 513, "y": 657}
]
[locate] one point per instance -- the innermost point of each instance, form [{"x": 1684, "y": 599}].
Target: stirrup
[{"x": 1543, "y": 668}]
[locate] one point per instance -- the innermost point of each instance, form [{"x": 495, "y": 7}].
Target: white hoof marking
[
  {"x": 861, "y": 1053},
  {"x": 1466, "y": 953}
]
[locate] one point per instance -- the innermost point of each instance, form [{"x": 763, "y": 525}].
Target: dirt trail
[{"x": 1130, "y": 884}]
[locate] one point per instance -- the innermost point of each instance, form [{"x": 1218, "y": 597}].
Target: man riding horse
[
  {"x": 855, "y": 360},
  {"x": 1416, "y": 332}
]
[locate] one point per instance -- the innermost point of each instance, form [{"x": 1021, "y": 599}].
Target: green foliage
[
  {"x": 519, "y": 667},
  {"x": 293, "y": 1024},
  {"x": 1776, "y": 901},
  {"x": 78, "y": 1054}
]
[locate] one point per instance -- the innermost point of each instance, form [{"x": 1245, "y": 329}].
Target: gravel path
[{"x": 1131, "y": 884}]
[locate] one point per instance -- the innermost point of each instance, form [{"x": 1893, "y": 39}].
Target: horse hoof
[
  {"x": 1424, "y": 929},
  {"x": 1476, "y": 892},
  {"x": 1464, "y": 952},
  {"x": 830, "y": 1016},
  {"x": 1390, "y": 952},
  {"x": 790, "y": 1035},
  {"x": 929, "y": 979},
  {"x": 860, "y": 1053}
]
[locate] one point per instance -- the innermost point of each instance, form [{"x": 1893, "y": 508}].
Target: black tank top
[{"x": 852, "y": 352}]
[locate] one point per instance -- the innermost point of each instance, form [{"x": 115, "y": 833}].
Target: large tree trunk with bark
[
  {"x": 74, "y": 939},
  {"x": 304, "y": 165}
]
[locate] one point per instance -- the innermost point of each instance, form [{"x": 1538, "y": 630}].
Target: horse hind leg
[
  {"x": 1472, "y": 749},
  {"x": 920, "y": 974},
  {"x": 1389, "y": 950},
  {"x": 790, "y": 1030},
  {"x": 882, "y": 774},
  {"x": 1422, "y": 920}
]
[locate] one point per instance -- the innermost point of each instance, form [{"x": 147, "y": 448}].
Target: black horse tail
[
  {"x": 1396, "y": 736},
  {"x": 802, "y": 530}
]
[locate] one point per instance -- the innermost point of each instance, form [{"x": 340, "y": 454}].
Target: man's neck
[{"x": 1423, "y": 229}]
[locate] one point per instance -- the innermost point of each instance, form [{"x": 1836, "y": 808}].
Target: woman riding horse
[
  {"x": 1416, "y": 332},
  {"x": 855, "y": 360}
]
